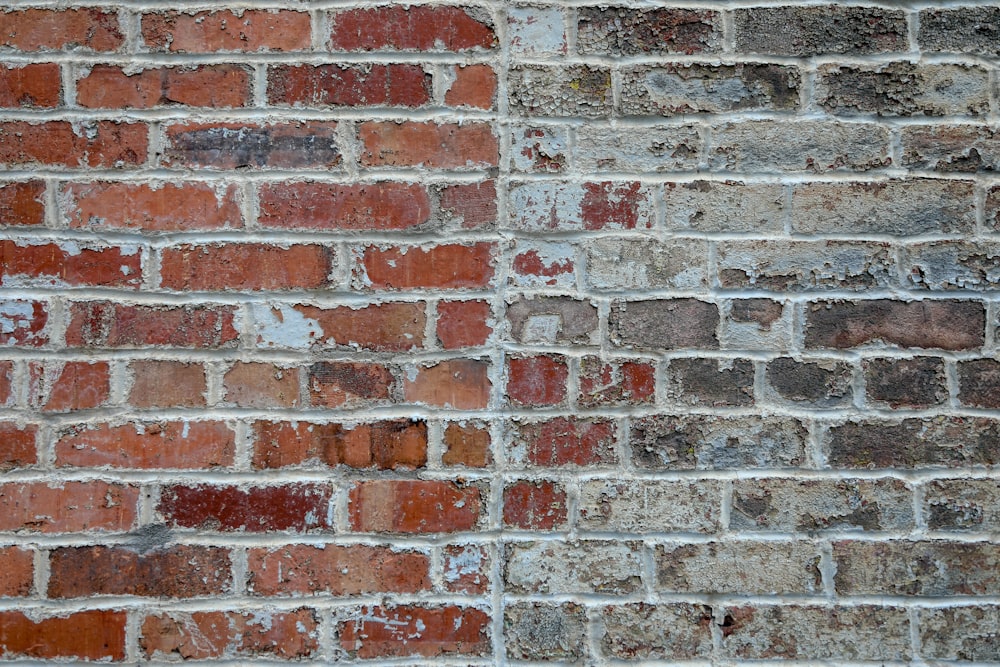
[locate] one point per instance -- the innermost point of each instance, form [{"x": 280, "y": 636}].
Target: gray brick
[
  {"x": 536, "y": 631},
  {"x": 665, "y": 324},
  {"x": 601, "y": 149},
  {"x": 952, "y": 442},
  {"x": 905, "y": 383},
  {"x": 553, "y": 320},
  {"x": 739, "y": 567},
  {"x": 961, "y": 30},
  {"x": 810, "y": 31},
  {"x": 581, "y": 90},
  {"x": 756, "y": 324},
  {"x": 624, "y": 31},
  {"x": 633, "y": 506},
  {"x": 710, "y": 382},
  {"x": 729, "y": 206},
  {"x": 649, "y": 264},
  {"x": 953, "y": 265},
  {"x": 539, "y": 149},
  {"x": 652, "y": 632},
  {"x": 824, "y": 383},
  {"x": 797, "y": 266},
  {"x": 951, "y": 148},
  {"x": 961, "y": 633},
  {"x": 927, "y": 568},
  {"x": 903, "y": 89},
  {"x": 581, "y": 566},
  {"x": 962, "y": 504},
  {"x": 559, "y": 206}
]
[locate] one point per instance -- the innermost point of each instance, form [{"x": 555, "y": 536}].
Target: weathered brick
[
  {"x": 177, "y": 571},
  {"x": 540, "y": 631},
  {"x": 216, "y": 634},
  {"x": 903, "y": 89},
  {"x": 466, "y": 444},
  {"x": 246, "y": 266},
  {"x": 548, "y": 205},
  {"x": 905, "y": 383},
  {"x": 711, "y": 382},
  {"x": 741, "y": 567},
  {"x": 862, "y": 632},
  {"x": 448, "y": 266},
  {"x": 468, "y": 205},
  {"x": 463, "y": 323},
  {"x": 563, "y": 441},
  {"x": 961, "y": 30},
  {"x": 384, "y": 445},
  {"x": 624, "y": 31},
  {"x": 67, "y": 264},
  {"x": 71, "y": 385},
  {"x": 323, "y": 206},
  {"x": 101, "y": 144},
  {"x": 301, "y": 569},
  {"x": 36, "y": 85},
  {"x": 539, "y": 505},
  {"x": 261, "y": 385},
  {"x": 580, "y": 566},
  {"x": 251, "y": 30},
  {"x": 22, "y": 203},
  {"x": 899, "y": 207},
  {"x": 538, "y": 380},
  {"x": 278, "y": 145},
  {"x": 16, "y": 572},
  {"x": 960, "y": 633},
  {"x": 699, "y": 442},
  {"x": 724, "y": 206},
  {"x": 349, "y": 384},
  {"x": 84, "y": 29},
  {"x": 431, "y": 145},
  {"x": 953, "y": 442},
  {"x": 7, "y": 390},
  {"x": 87, "y": 635},
  {"x": 926, "y": 568},
  {"x": 293, "y": 507},
  {"x": 953, "y": 265},
  {"x": 665, "y": 324},
  {"x": 661, "y": 631},
  {"x": 17, "y": 446},
  {"x": 148, "y": 445},
  {"x": 539, "y": 149},
  {"x": 536, "y": 31},
  {"x": 166, "y": 207},
  {"x": 600, "y": 149},
  {"x": 108, "y": 324},
  {"x": 633, "y": 506},
  {"x": 412, "y": 630},
  {"x": 411, "y": 28},
  {"x": 348, "y": 85},
  {"x": 810, "y": 31},
  {"x": 979, "y": 383},
  {"x": 616, "y": 382},
  {"x": 413, "y": 506},
  {"x": 756, "y": 324},
  {"x": 167, "y": 384},
  {"x": 114, "y": 87},
  {"x": 962, "y": 504},
  {"x": 473, "y": 86},
  {"x": 949, "y": 325},
  {"x": 67, "y": 507},
  {"x": 552, "y": 320},
  {"x": 951, "y": 148},
  {"x": 542, "y": 90},
  {"x": 824, "y": 383},
  {"x": 380, "y": 327},
  {"x": 648, "y": 264},
  {"x": 463, "y": 384},
  {"x": 804, "y": 506},
  {"x": 670, "y": 90},
  {"x": 814, "y": 146},
  {"x": 466, "y": 568}
]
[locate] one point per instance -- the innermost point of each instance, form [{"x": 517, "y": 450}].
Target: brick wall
[{"x": 494, "y": 333}]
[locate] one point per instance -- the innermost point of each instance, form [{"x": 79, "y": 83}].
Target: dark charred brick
[
  {"x": 914, "y": 443},
  {"x": 622, "y": 31},
  {"x": 926, "y": 568},
  {"x": 948, "y": 325},
  {"x": 819, "y": 384},
  {"x": 961, "y": 30},
  {"x": 903, "y": 89},
  {"x": 979, "y": 383},
  {"x": 712, "y": 382},
  {"x": 300, "y": 145},
  {"x": 665, "y": 324},
  {"x": 264, "y": 508},
  {"x": 810, "y": 31},
  {"x": 906, "y": 383}
]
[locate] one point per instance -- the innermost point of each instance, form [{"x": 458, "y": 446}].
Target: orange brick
[
  {"x": 186, "y": 445},
  {"x": 463, "y": 384},
  {"x": 71, "y": 507}
]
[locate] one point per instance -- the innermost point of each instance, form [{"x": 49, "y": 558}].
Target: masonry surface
[{"x": 499, "y": 333}]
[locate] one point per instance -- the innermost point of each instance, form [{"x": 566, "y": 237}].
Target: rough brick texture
[{"x": 478, "y": 333}]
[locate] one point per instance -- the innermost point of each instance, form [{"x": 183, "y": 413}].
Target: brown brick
[
  {"x": 948, "y": 325},
  {"x": 341, "y": 383},
  {"x": 539, "y": 505},
  {"x": 293, "y": 507},
  {"x": 261, "y": 385},
  {"x": 17, "y": 571},
  {"x": 365, "y": 206},
  {"x": 348, "y": 85},
  {"x": 166, "y": 384},
  {"x": 905, "y": 383},
  {"x": 464, "y": 323},
  {"x": 927, "y": 568},
  {"x": 979, "y": 383},
  {"x": 466, "y": 444},
  {"x": 473, "y": 86},
  {"x": 447, "y": 266},
  {"x": 245, "y": 266},
  {"x": 384, "y": 445},
  {"x": 431, "y": 145},
  {"x": 463, "y": 384}
]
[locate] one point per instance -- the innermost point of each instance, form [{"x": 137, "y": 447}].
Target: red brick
[
  {"x": 539, "y": 380},
  {"x": 411, "y": 28},
  {"x": 170, "y": 207},
  {"x": 279, "y": 145},
  {"x": 245, "y": 266},
  {"x": 566, "y": 441},
  {"x": 473, "y": 205},
  {"x": 466, "y": 569},
  {"x": 295, "y": 507},
  {"x": 6, "y": 389},
  {"x": 439, "y": 267},
  {"x": 544, "y": 264},
  {"x": 17, "y": 571},
  {"x": 17, "y": 446},
  {"x": 413, "y": 506},
  {"x": 616, "y": 383},
  {"x": 411, "y": 630},
  {"x": 99, "y": 144},
  {"x": 71, "y": 507},
  {"x": 463, "y": 323},
  {"x": 167, "y": 384},
  {"x": 54, "y": 264},
  {"x": 87, "y": 635},
  {"x": 949, "y": 325},
  {"x": 179, "y": 571},
  {"x": 109, "y": 87},
  {"x": 209, "y": 31},
  {"x": 362, "y": 206},
  {"x": 412, "y": 144},
  {"x": 386, "y": 327},
  {"x": 73, "y": 385},
  {"x": 36, "y": 85},
  {"x": 335, "y": 384},
  {"x": 215, "y": 634},
  {"x": 466, "y": 445},
  {"x": 23, "y": 323},
  {"x": 349, "y": 85},
  {"x": 534, "y": 505},
  {"x": 55, "y": 30},
  {"x": 22, "y": 203},
  {"x": 385, "y": 445},
  {"x": 261, "y": 385},
  {"x": 463, "y": 384},
  {"x": 106, "y": 324},
  {"x": 359, "y": 569},
  {"x": 474, "y": 86},
  {"x": 184, "y": 445}
]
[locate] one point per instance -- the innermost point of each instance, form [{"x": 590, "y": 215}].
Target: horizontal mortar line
[
  {"x": 755, "y": 177},
  {"x": 665, "y": 236},
  {"x": 154, "y": 58},
  {"x": 721, "y": 6},
  {"x": 72, "y": 294},
  {"x": 764, "y": 600},
  {"x": 426, "y": 176},
  {"x": 719, "y": 58},
  {"x": 716, "y": 119},
  {"x": 269, "y": 115},
  {"x": 276, "y": 356},
  {"x": 272, "y": 236}
]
